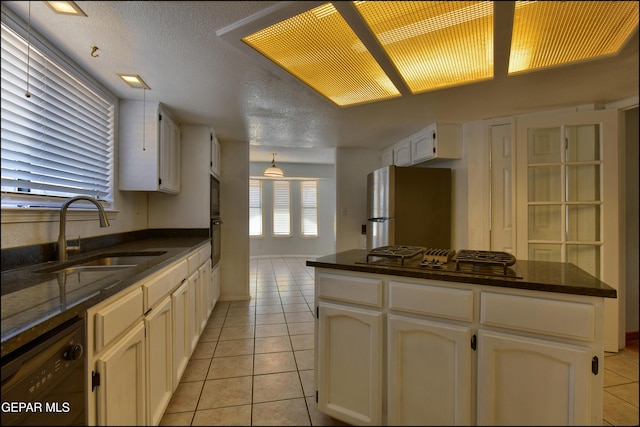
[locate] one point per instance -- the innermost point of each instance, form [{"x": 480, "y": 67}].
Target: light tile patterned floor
[{"x": 253, "y": 365}]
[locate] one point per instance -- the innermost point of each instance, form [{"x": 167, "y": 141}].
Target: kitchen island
[{"x": 404, "y": 345}]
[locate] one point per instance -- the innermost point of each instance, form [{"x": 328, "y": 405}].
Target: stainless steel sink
[{"x": 104, "y": 262}]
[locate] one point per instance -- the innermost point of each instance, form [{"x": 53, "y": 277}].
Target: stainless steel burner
[
  {"x": 484, "y": 260},
  {"x": 397, "y": 251}
]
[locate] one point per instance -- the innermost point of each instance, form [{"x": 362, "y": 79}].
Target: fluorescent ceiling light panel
[
  {"x": 434, "y": 44},
  {"x": 319, "y": 48},
  {"x": 65, "y": 8},
  {"x": 552, "y": 33},
  {"x": 135, "y": 81}
]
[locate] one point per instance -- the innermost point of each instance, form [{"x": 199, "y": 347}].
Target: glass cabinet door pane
[
  {"x": 544, "y": 145},
  {"x": 545, "y": 222},
  {"x": 545, "y": 252},
  {"x": 583, "y": 223},
  {"x": 544, "y": 184},
  {"x": 583, "y": 143},
  {"x": 587, "y": 257},
  {"x": 583, "y": 183}
]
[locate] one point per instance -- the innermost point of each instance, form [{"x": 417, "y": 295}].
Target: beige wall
[{"x": 234, "y": 212}]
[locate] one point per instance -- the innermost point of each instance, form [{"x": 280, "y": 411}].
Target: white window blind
[
  {"x": 255, "y": 207},
  {"x": 281, "y": 208},
  {"x": 58, "y": 142},
  {"x": 309, "y": 207}
]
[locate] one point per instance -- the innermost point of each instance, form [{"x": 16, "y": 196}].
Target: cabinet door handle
[
  {"x": 474, "y": 343},
  {"x": 594, "y": 365}
]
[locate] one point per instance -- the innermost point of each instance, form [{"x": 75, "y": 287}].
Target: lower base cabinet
[
  {"x": 139, "y": 342},
  {"x": 429, "y": 372},
  {"x": 402, "y": 351},
  {"x": 158, "y": 325},
  {"x": 349, "y": 368},
  {"x": 121, "y": 395},
  {"x": 535, "y": 380}
]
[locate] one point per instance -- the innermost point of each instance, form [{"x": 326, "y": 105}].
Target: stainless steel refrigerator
[{"x": 409, "y": 206}]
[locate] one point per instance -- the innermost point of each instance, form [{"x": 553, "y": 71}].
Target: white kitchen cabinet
[
  {"x": 387, "y": 157},
  {"x": 455, "y": 353},
  {"x": 349, "y": 367},
  {"x": 215, "y": 285},
  {"x": 159, "y": 360},
  {"x": 542, "y": 382},
  {"x": 348, "y": 357},
  {"x": 436, "y": 141},
  {"x": 429, "y": 372},
  {"x": 215, "y": 155},
  {"x": 149, "y": 148},
  {"x": 562, "y": 351},
  {"x": 182, "y": 331},
  {"x": 204, "y": 281},
  {"x": 121, "y": 396},
  {"x": 402, "y": 153},
  {"x": 194, "y": 308},
  {"x": 429, "y": 362}
]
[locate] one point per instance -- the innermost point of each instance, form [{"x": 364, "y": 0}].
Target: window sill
[{"x": 32, "y": 215}]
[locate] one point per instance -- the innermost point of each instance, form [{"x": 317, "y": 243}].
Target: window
[
  {"x": 281, "y": 209},
  {"x": 58, "y": 142},
  {"x": 255, "y": 207},
  {"x": 309, "y": 208}
]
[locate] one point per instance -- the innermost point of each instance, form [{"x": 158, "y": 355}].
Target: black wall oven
[{"x": 215, "y": 225}]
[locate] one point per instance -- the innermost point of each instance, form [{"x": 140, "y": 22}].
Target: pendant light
[{"x": 273, "y": 171}]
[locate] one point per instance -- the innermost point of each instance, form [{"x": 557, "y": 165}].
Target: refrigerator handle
[{"x": 380, "y": 219}]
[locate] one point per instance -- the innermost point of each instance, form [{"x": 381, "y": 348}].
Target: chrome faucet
[{"x": 62, "y": 240}]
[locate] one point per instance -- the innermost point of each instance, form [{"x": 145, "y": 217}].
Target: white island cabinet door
[
  {"x": 349, "y": 367},
  {"x": 530, "y": 381},
  {"x": 122, "y": 395},
  {"x": 429, "y": 372}
]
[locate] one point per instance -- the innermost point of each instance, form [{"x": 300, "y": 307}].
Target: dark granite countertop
[
  {"x": 34, "y": 302},
  {"x": 533, "y": 275}
]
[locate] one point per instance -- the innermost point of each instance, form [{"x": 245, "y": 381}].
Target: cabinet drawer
[
  {"x": 438, "y": 301},
  {"x": 359, "y": 290},
  {"x": 204, "y": 254},
  {"x": 116, "y": 318},
  {"x": 161, "y": 285},
  {"x": 565, "y": 319},
  {"x": 193, "y": 262}
]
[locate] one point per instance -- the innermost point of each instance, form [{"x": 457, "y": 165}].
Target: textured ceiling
[{"x": 203, "y": 79}]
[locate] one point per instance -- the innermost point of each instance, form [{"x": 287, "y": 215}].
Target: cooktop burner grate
[
  {"x": 484, "y": 260},
  {"x": 397, "y": 251}
]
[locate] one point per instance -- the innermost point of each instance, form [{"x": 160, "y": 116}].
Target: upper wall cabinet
[
  {"x": 149, "y": 150},
  {"x": 436, "y": 141}
]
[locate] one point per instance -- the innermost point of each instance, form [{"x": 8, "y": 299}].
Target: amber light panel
[
  {"x": 319, "y": 48},
  {"x": 552, "y": 33},
  {"x": 434, "y": 44}
]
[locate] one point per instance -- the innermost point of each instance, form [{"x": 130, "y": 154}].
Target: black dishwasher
[{"x": 43, "y": 382}]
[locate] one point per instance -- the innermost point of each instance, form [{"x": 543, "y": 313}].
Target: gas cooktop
[{"x": 466, "y": 262}]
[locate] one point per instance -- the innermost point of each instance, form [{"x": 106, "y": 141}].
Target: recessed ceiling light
[
  {"x": 65, "y": 8},
  {"x": 552, "y": 33},
  {"x": 135, "y": 81}
]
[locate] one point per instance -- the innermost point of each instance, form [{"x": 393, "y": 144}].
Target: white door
[
  {"x": 182, "y": 331},
  {"x": 502, "y": 207},
  {"x": 349, "y": 368},
  {"x": 526, "y": 381},
  {"x": 122, "y": 392},
  {"x": 567, "y": 198},
  {"x": 429, "y": 373},
  {"x": 159, "y": 360}
]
